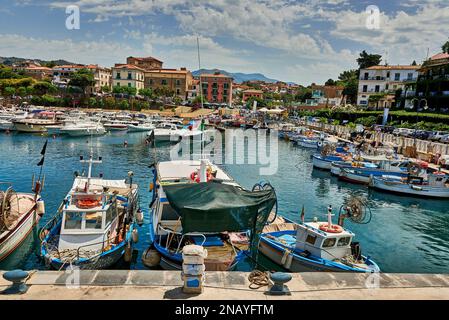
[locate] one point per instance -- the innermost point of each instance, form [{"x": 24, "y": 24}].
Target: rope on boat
[{"x": 258, "y": 279}]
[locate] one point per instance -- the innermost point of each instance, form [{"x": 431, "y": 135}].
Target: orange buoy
[
  {"x": 334, "y": 228},
  {"x": 87, "y": 203}
]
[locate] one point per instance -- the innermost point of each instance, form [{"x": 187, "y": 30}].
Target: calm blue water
[{"x": 404, "y": 235}]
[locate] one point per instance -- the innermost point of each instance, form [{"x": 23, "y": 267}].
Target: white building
[{"x": 382, "y": 82}]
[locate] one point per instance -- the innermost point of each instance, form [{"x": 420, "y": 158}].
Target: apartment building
[
  {"x": 378, "y": 84},
  {"x": 178, "y": 81},
  {"x": 102, "y": 76},
  {"x": 252, "y": 93},
  {"x": 127, "y": 75},
  {"x": 217, "y": 88},
  {"x": 328, "y": 96}
]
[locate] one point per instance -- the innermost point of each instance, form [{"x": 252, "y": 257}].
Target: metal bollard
[
  {"x": 17, "y": 277},
  {"x": 279, "y": 280}
]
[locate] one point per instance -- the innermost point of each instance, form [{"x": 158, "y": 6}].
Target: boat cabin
[{"x": 330, "y": 246}]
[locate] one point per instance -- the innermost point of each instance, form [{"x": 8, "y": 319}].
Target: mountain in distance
[
  {"x": 238, "y": 76},
  {"x": 9, "y": 61}
]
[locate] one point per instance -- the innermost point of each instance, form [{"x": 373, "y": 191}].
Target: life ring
[
  {"x": 335, "y": 228},
  {"x": 194, "y": 176},
  {"x": 87, "y": 203},
  {"x": 320, "y": 143}
]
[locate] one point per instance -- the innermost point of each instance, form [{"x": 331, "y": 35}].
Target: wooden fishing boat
[
  {"x": 315, "y": 246},
  {"x": 94, "y": 225},
  {"x": 19, "y": 213},
  {"x": 196, "y": 202}
]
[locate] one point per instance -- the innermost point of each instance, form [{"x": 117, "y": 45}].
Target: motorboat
[
  {"x": 196, "y": 202},
  {"x": 6, "y": 125},
  {"x": 94, "y": 225},
  {"x": 33, "y": 125},
  {"x": 316, "y": 246},
  {"x": 83, "y": 129},
  {"x": 116, "y": 126},
  {"x": 168, "y": 132},
  {"x": 140, "y": 127},
  {"x": 436, "y": 185}
]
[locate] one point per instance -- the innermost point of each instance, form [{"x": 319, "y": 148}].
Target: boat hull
[
  {"x": 30, "y": 128},
  {"x": 14, "y": 238},
  {"x": 277, "y": 254},
  {"x": 84, "y": 132},
  {"x": 409, "y": 190}
]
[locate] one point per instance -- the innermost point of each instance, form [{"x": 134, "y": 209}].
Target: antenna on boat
[
  {"x": 90, "y": 163},
  {"x": 199, "y": 68},
  {"x": 329, "y": 216}
]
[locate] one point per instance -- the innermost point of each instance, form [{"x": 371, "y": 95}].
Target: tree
[
  {"x": 82, "y": 79},
  {"x": 147, "y": 92},
  {"x": 105, "y": 89},
  {"x": 330, "y": 82},
  {"x": 44, "y": 87},
  {"x": 367, "y": 60},
  {"x": 414, "y": 63},
  {"x": 445, "y": 47},
  {"x": 349, "y": 80},
  {"x": 9, "y": 91},
  {"x": 22, "y": 91}
]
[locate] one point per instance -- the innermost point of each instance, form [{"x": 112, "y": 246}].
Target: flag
[
  {"x": 302, "y": 214},
  {"x": 41, "y": 163},
  {"x": 44, "y": 148}
]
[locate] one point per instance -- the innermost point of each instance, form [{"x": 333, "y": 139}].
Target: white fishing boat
[
  {"x": 435, "y": 186},
  {"x": 116, "y": 126},
  {"x": 94, "y": 225},
  {"x": 19, "y": 213},
  {"x": 316, "y": 246},
  {"x": 168, "y": 132},
  {"x": 195, "y": 201}
]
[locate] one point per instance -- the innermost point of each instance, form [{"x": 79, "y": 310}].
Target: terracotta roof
[
  {"x": 145, "y": 58},
  {"x": 72, "y": 66},
  {"x": 440, "y": 56},
  {"x": 397, "y": 67},
  {"x": 128, "y": 66},
  {"x": 38, "y": 68},
  {"x": 253, "y": 91}
]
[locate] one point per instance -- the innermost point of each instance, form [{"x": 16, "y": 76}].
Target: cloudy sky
[{"x": 300, "y": 41}]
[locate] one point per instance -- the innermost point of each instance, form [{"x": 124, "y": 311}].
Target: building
[
  {"x": 328, "y": 96},
  {"x": 38, "y": 72},
  {"x": 378, "y": 85},
  {"x": 127, "y": 75},
  {"x": 148, "y": 63},
  {"x": 432, "y": 86},
  {"x": 252, "y": 93},
  {"x": 194, "y": 90},
  {"x": 102, "y": 76},
  {"x": 217, "y": 88},
  {"x": 179, "y": 81}
]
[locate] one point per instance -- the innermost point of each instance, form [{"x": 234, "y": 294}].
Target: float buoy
[
  {"x": 128, "y": 253},
  {"x": 151, "y": 257},
  {"x": 87, "y": 203},
  {"x": 335, "y": 228},
  {"x": 135, "y": 236}
]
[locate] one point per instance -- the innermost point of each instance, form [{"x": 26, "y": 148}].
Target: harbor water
[{"x": 405, "y": 235}]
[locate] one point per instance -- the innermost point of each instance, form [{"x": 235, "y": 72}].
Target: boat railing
[
  {"x": 108, "y": 240},
  {"x": 190, "y": 234}
]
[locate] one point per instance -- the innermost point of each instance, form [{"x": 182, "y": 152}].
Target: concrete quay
[{"x": 157, "y": 285}]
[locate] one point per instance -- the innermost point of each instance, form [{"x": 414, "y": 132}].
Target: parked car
[
  {"x": 437, "y": 135},
  {"x": 445, "y": 138},
  {"x": 404, "y": 132}
]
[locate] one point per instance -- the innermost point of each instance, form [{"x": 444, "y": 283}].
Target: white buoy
[
  {"x": 203, "y": 170},
  {"x": 135, "y": 236},
  {"x": 40, "y": 207}
]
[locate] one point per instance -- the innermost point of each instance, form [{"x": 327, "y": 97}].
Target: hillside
[{"x": 238, "y": 76}]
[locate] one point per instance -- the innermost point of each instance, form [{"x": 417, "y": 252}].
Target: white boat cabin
[
  {"x": 330, "y": 246},
  {"x": 90, "y": 218}
]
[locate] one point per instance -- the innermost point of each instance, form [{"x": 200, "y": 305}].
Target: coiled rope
[{"x": 258, "y": 279}]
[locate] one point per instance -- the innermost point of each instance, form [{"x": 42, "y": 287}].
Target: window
[
  {"x": 409, "y": 76},
  {"x": 386, "y": 86},
  {"x": 377, "y": 88},
  {"x": 342, "y": 242},
  {"x": 73, "y": 220},
  {"x": 225, "y": 85},
  {"x": 329, "y": 242},
  {"x": 365, "y": 88},
  {"x": 178, "y": 82},
  {"x": 311, "y": 239},
  {"x": 214, "y": 85},
  {"x": 129, "y": 84},
  {"x": 397, "y": 76},
  {"x": 118, "y": 84},
  {"x": 94, "y": 220},
  {"x": 164, "y": 82},
  {"x": 366, "y": 76},
  {"x": 118, "y": 76},
  {"x": 178, "y": 92},
  {"x": 129, "y": 75},
  {"x": 151, "y": 81},
  {"x": 388, "y": 74}
]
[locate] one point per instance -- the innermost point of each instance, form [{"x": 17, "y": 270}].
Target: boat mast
[
  {"x": 199, "y": 68},
  {"x": 91, "y": 161}
]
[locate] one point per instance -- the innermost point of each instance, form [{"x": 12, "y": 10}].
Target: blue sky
[{"x": 300, "y": 41}]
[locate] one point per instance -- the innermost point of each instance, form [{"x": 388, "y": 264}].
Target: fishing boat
[
  {"x": 363, "y": 177},
  {"x": 168, "y": 132},
  {"x": 20, "y": 212},
  {"x": 435, "y": 186},
  {"x": 94, "y": 225},
  {"x": 317, "y": 246},
  {"x": 324, "y": 162},
  {"x": 196, "y": 202},
  {"x": 116, "y": 126}
]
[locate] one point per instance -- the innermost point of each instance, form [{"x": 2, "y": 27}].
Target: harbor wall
[{"x": 157, "y": 284}]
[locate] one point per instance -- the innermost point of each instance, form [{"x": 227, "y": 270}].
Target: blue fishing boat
[
  {"x": 324, "y": 162},
  {"x": 95, "y": 224},
  {"x": 317, "y": 246},
  {"x": 196, "y": 202}
]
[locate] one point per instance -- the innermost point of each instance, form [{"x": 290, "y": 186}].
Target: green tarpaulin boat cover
[{"x": 217, "y": 207}]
